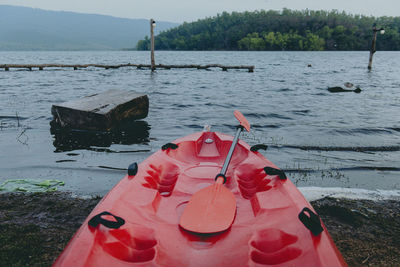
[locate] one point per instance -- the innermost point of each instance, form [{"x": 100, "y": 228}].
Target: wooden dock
[{"x": 7, "y": 67}]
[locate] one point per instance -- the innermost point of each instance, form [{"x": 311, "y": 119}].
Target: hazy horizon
[{"x": 189, "y": 10}]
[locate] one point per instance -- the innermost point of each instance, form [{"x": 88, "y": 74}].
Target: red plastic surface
[{"x": 266, "y": 230}]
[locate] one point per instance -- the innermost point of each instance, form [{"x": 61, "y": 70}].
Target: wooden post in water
[
  {"x": 152, "y": 25},
  {"x": 373, "y": 45}
]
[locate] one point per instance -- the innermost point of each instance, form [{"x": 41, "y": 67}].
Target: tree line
[{"x": 304, "y": 30}]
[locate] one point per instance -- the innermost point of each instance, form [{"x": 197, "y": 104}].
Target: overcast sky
[{"x": 191, "y": 10}]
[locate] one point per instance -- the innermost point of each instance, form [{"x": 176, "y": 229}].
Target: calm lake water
[{"x": 320, "y": 138}]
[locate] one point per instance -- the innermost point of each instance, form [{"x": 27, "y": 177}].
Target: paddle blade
[
  {"x": 210, "y": 210},
  {"x": 242, "y": 120}
]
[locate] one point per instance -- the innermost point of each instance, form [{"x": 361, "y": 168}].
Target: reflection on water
[
  {"x": 133, "y": 132},
  {"x": 323, "y": 139}
]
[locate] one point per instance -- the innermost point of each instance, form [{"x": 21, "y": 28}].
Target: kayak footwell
[{"x": 266, "y": 229}]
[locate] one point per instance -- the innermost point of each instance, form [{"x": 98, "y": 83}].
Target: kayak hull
[{"x": 266, "y": 229}]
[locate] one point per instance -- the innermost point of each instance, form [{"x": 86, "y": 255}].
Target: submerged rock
[{"x": 101, "y": 112}]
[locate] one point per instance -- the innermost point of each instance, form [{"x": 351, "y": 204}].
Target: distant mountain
[{"x": 23, "y": 28}]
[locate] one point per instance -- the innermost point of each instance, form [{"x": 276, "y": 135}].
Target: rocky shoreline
[{"x": 35, "y": 228}]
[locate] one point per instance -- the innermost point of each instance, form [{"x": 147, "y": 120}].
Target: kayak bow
[{"x": 137, "y": 222}]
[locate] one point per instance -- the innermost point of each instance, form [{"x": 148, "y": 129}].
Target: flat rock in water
[
  {"x": 101, "y": 112},
  {"x": 338, "y": 89}
]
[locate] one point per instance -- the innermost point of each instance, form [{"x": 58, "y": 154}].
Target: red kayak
[{"x": 142, "y": 221}]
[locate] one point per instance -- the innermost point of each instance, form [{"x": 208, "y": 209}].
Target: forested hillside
[{"x": 280, "y": 30}]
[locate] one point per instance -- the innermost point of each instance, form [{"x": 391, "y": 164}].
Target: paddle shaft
[{"x": 231, "y": 150}]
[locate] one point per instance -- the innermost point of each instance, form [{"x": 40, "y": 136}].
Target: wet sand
[{"x": 35, "y": 228}]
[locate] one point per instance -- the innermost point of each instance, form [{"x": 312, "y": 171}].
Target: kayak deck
[{"x": 266, "y": 229}]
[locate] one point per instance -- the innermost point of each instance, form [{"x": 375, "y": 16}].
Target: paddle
[{"x": 212, "y": 209}]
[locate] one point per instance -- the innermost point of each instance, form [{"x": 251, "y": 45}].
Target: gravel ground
[{"x": 35, "y": 228}]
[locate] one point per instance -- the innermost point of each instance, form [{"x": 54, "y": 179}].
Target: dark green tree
[
  {"x": 143, "y": 44},
  {"x": 279, "y": 30}
]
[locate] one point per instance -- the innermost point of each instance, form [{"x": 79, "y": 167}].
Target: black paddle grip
[{"x": 220, "y": 175}]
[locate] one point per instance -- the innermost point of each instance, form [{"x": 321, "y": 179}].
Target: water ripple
[
  {"x": 284, "y": 101},
  {"x": 366, "y": 131}
]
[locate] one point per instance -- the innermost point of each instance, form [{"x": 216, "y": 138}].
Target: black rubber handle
[
  {"x": 273, "y": 171},
  {"x": 97, "y": 219},
  {"x": 133, "y": 169},
  {"x": 169, "y": 145},
  {"x": 311, "y": 221},
  {"x": 255, "y": 148}
]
